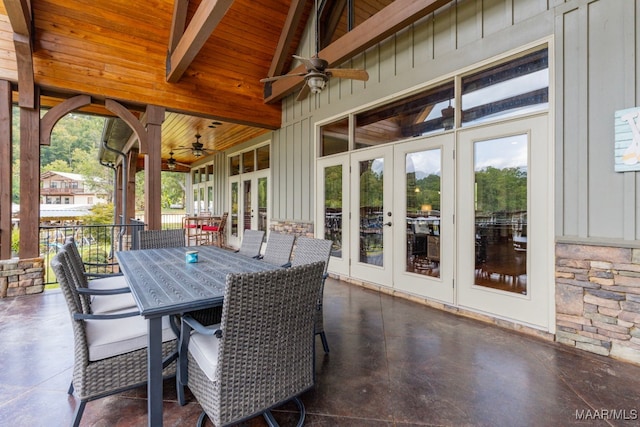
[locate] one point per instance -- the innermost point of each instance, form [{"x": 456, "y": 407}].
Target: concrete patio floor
[{"x": 392, "y": 363}]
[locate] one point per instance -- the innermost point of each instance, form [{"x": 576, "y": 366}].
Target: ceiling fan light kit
[{"x": 318, "y": 72}]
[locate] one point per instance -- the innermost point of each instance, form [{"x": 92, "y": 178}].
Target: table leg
[{"x": 154, "y": 373}]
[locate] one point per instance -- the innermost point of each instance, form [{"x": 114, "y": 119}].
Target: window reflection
[
  {"x": 423, "y": 212},
  {"x": 516, "y": 87},
  {"x": 333, "y": 208},
  {"x": 371, "y": 211},
  {"x": 501, "y": 213},
  {"x": 420, "y": 114}
]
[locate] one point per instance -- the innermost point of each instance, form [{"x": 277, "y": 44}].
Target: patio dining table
[{"x": 163, "y": 284}]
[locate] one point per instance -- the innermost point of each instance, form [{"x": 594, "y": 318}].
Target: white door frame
[
  {"x": 533, "y": 308},
  {"x": 338, "y": 265},
  {"x": 437, "y": 288},
  {"x": 384, "y": 224}
]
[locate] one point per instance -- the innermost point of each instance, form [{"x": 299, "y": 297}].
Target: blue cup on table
[{"x": 191, "y": 257}]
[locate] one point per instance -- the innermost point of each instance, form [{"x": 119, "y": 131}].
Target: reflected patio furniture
[
  {"x": 154, "y": 239},
  {"x": 262, "y": 354},
  {"x": 278, "y": 249},
  {"x": 110, "y": 349},
  {"x": 213, "y": 232},
  {"x": 307, "y": 251},
  {"x": 251, "y": 243}
]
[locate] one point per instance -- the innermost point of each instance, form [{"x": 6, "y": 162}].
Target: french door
[
  {"x": 464, "y": 218},
  {"x": 504, "y": 220},
  {"x": 332, "y": 213},
  {"x": 423, "y": 199},
  {"x": 249, "y": 195}
]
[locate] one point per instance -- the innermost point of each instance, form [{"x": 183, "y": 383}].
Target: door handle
[{"x": 388, "y": 224}]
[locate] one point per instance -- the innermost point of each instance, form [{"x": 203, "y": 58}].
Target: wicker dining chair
[
  {"x": 309, "y": 250},
  {"x": 261, "y": 354},
  {"x": 98, "y": 295},
  {"x": 278, "y": 249},
  {"x": 156, "y": 239},
  {"x": 110, "y": 349},
  {"x": 251, "y": 243}
]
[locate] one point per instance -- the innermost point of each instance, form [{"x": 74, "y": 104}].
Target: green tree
[
  {"x": 174, "y": 186},
  {"x": 57, "y": 165}
]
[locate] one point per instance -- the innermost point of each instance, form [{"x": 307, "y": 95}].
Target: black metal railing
[{"x": 97, "y": 243}]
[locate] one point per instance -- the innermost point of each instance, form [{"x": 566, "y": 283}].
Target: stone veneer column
[
  {"x": 21, "y": 277},
  {"x": 598, "y": 299},
  {"x": 291, "y": 227}
]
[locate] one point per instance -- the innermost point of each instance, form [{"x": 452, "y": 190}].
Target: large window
[
  {"x": 509, "y": 88},
  {"x": 516, "y": 87}
]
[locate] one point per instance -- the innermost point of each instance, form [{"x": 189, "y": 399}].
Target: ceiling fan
[
  {"x": 197, "y": 148},
  {"x": 172, "y": 163},
  {"x": 318, "y": 72}
]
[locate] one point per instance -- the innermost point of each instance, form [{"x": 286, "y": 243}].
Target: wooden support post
[
  {"x": 153, "y": 167},
  {"x": 30, "y": 180},
  {"x": 117, "y": 197},
  {"x": 132, "y": 165},
  {"x": 6, "y": 157}
]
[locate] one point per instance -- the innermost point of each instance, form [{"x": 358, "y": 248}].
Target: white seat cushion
[
  {"x": 102, "y": 304},
  {"x": 204, "y": 349},
  {"x": 107, "y": 338},
  {"x": 113, "y": 282}
]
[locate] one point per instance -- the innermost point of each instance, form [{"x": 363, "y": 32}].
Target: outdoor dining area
[{"x": 264, "y": 337}]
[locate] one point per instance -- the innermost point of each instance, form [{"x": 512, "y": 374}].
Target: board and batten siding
[
  {"x": 461, "y": 34},
  {"x": 596, "y": 50}
]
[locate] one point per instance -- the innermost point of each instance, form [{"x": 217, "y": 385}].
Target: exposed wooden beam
[
  {"x": 286, "y": 36},
  {"x": 131, "y": 120},
  {"x": 56, "y": 113},
  {"x": 19, "y": 13},
  {"x": 328, "y": 26},
  {"x": 383, "y": 24},
  {"x": 205, "y": 20},
  {"x": 178, "y": 23}
]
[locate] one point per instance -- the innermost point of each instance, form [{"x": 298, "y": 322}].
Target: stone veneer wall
[
  {"x": 21, "y": 277},
  {"x": 598, "y": 299},
  {"x": 291, "y": 227}
]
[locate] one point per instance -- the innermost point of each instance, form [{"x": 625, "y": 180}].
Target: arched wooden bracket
[
  {"x": 56, "y": 113},
  {"x": 133, "y": 122}
]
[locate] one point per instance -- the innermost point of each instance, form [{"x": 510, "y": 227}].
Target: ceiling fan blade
[
  {"x": 274, "y": 78},
  {"x": 306, "y": 62},
  {"x": 304, "y": 92},
  {"x": 348, "y": 73}
]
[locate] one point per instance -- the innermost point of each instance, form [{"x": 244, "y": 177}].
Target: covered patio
[{"x": 392, "y": 363}]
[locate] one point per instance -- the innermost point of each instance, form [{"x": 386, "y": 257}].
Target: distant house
[{"x": 65, "y": 188}]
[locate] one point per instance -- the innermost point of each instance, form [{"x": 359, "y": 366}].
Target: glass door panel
[
  {"x": 423, "y": 188},
  {"x": 505, "y": 226},
  {"x": 233, "y": 214},
  {"x": 262, "y": 204},
  {"x": 333, "y": 218},
  {"x": 333, "y": 208},
  {"x": 247, "y": 209},
  {"x": 501, "y": 213},
  {"x": 424, "y": 245},
  {"x": 371, "y": 205}
]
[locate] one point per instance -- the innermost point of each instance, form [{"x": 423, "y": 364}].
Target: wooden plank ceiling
[{"x": 200, "y": 59}]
